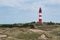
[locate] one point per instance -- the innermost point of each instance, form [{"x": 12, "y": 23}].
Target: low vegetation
[{"x": 22, "y": 31}]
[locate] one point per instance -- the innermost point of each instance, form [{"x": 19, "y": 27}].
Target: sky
[{"x": 23, "y": 11}]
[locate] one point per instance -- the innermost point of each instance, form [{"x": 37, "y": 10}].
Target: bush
[
  {"x": 6, "y": 26},
  {"x": 32, "y": 26},
  {"x": 50, "y": 23}
]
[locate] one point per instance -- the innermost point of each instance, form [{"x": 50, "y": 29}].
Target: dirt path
[{"x": 36, "y": 30}]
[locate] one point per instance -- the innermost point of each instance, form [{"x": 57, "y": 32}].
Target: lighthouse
[{"x": 40, "y": 16}]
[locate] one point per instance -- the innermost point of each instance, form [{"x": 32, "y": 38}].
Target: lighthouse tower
[{"x": 40, "y": 16}]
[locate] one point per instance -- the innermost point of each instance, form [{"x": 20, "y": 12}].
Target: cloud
[
  {"x": 21, "y": 4},
  {"x": 28, "y": 4},
  {"x": 53, "y": 1}
]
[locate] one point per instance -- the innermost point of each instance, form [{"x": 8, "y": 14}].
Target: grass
[
  {"x": 17, "y": 33},
  {"x": 24, "y": 34},
  {"x": 21, "y": 34}
]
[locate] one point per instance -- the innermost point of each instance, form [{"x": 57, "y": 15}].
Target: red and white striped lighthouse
[{"x": 40, "y": 16}]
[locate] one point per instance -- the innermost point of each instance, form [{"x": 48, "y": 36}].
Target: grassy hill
[{"x": 31, "y": 31}]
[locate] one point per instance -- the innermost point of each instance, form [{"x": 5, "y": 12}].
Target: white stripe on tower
[{"x": 40, "y": 13}]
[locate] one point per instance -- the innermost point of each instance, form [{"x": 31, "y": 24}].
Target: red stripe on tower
[{"x": 40, "y": 16}]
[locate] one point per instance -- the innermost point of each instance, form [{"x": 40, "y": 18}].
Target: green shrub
[
  {"x": 6, "y": 25},
  {"x": 50, "y": 23}
]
